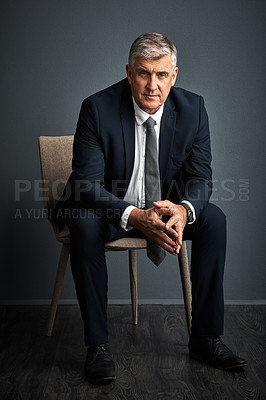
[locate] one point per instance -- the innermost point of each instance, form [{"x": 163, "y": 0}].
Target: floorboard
[{"x": 151, "y": 358}]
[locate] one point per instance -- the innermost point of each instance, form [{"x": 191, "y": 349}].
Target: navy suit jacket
[{"x": 104, "y": 148}]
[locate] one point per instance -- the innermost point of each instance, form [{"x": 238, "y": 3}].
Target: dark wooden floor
[{"x": 152, "y": 358}]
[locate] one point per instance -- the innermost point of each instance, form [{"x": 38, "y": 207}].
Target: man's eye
[
  {"x": 162, "y": 74},
  {"x": 143, "y": 73}
]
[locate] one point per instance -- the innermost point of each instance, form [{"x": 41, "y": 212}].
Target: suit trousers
[{"x": 89, "y": 233}]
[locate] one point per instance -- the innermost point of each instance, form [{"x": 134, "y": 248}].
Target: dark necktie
[{"x": 152, "y": 185}]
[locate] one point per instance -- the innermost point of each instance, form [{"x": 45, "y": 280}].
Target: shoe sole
[
  {"x": 199, "y": 357},
  {"x": 107, "y": 379}
]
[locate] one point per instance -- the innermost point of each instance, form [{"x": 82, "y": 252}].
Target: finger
[
  {"x": 172, "y": 250},
  {"x": 169, "y": 249},
  {"x": 175, "y": 224},
  {"x": 168, "y": 230},
  {"x": 177, "y": 249},
  {"x": 162, "y": 238},
  {"x": 169, "y": 246},
  {"x": 162, "y": 203},
  {"x": 165, "y": 211},
  {"x": 161, "y": 226},
  {"x": 168, "y": 240},
  {"x": 171, "y": 221},
  {"x": 179, "y": 231}
]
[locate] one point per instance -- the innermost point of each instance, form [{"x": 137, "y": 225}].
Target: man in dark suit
[{"x": 115, "y": 160}]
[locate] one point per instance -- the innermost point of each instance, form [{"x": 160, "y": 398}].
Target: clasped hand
[{"x": 167, "y": 235}]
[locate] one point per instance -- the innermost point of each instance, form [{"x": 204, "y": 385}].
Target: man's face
[{"x": 151, "y": 81}]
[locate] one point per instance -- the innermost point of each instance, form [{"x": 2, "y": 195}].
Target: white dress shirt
[{"x": 135, "y": 193}]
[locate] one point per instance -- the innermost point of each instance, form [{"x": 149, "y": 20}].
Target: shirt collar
[{"x": 141, "y": 116}]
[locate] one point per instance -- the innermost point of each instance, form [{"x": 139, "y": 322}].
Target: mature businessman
[{"x": 141, "y": 167}]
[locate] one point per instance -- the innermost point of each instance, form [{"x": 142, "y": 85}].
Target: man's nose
[{"x": 152, "y": 83}]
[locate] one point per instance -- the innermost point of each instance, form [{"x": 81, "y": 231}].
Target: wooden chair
[{"x": 56, "y": 158}]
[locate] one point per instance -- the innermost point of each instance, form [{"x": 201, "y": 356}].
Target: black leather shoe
[
  {"x": 99, "y": 366},
  {"x": 213, "y": 351}
]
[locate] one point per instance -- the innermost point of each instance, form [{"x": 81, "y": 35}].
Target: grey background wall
[{"x": 55, "y": 53}]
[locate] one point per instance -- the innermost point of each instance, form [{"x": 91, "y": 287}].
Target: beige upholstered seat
[{"x": 56, "y": 158}]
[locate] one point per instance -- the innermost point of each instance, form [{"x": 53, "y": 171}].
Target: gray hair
[{"x": 152, "y": 46}]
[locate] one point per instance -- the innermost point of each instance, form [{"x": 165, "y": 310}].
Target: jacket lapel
[
  {"x": 128, "y": 128},
  {"x": 167, "y": 131}
]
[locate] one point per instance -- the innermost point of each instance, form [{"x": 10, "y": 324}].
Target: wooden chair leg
[
  {"x": 186, "y": 285},
  {"x": 133, "y": 274},
  {"x": 61, "y": 269}
]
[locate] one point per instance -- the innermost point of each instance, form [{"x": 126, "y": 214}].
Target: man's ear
[
  {"x": 174, "y": 76},
  {"x": 129, "y": 73}
]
